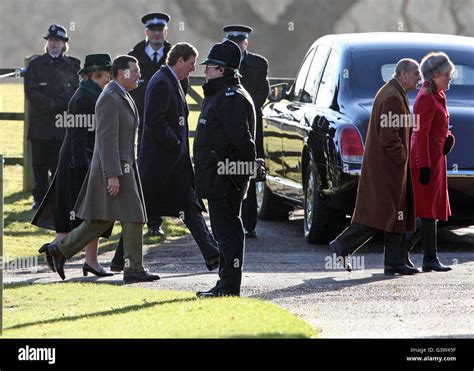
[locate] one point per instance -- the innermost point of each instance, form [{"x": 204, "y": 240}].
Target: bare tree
[{"x": 290, "y": 36}]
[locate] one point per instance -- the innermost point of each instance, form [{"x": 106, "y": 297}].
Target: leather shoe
[
  {"x": 402, "y": 270},
  {"x": 213, "y": 263},
  {"x": 47, "y": 256},
  {"x": 136, "y": 277},
  {"x": 86, "y": 268},
  {"x": 58, "y": 259},
  {"x": 116, "y": 267},
  {"x": 251, "y": 234},
  {"x": 341, "y": 253},
  {"x": 156, "y": 232},
  {"x": 217, "y": 292},
  {"x": 434, "y": 265}
]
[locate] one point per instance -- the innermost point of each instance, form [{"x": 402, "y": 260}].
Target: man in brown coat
[
  {"x": 112, "y": 189},
  {"x": 385, "y": 200}
]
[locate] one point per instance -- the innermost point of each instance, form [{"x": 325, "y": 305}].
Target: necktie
[{"x": 155, "y": 61}]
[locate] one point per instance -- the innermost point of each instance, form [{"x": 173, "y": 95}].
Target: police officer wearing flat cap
[
  {"x": 151, "y": 54},
  {"x": 50, "y": 81},
  {"x": 225, "y": 136},
  {"x": 254, "y": 71}
]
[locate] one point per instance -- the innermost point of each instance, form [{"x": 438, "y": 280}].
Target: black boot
[
  {"x": 429, "y": 244},
  {"x": 413, "y": 238},
  {"x": 395, "y": 255},
  {"x": 351, "y": 239}
]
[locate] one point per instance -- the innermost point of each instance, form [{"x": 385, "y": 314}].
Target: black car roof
[{"x": 374, "y": 40}]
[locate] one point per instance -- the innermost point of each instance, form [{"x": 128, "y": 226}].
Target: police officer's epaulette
[
  {"x": 230, "y": 91},
  {"x": 257, "y": 60},
  {"x": 34, "y": 56}
]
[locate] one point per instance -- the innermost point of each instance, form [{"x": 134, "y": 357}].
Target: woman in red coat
[{"x": 430, "y": 143}]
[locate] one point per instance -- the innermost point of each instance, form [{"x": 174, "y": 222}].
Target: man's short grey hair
[{"x": 405, "y": 64}]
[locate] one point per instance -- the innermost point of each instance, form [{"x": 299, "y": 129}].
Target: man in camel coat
[{"x": 385, "y": 200}]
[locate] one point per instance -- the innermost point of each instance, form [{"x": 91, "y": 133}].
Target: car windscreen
[{"x": 374, "y": 68}]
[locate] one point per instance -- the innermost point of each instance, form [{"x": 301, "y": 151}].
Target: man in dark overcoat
[
  {"x": 151, "y": 54},
  {"x": 165, "y": 164},
  {"x": 385, "y": 200}
]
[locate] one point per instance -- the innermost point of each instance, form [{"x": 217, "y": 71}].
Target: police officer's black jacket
[
  {"x": 225, "y": 132},
  {"x": 147, "y": 70},
  {"x": 254, "y": 71},
  {"x": 49, "y": 85}
]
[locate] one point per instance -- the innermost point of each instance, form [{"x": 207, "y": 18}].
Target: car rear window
[
  {"x": 371, "y": 69},
  {"x": 463, "y": 75}
]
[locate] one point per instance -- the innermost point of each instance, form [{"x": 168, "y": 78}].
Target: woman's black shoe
[{"x": 102, "y": 273}]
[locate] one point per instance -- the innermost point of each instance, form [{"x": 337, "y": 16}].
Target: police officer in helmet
[{"x": 224, "y": 153}]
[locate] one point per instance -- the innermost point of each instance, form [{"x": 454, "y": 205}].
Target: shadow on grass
[
  {"x": 89, "y": 279},
  {"x": 127, "y": 309},
  {"x": 17, "y": 196}
]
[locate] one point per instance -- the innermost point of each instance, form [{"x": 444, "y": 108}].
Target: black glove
[
  {"x": 448, "y": 144},
  {"x": 425, "y": 175}
]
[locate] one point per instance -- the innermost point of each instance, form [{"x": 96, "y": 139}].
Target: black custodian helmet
[{"x": 226, "y": 54}]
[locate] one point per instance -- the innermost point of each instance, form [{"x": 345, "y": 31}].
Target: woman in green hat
[{"x": 56, "y": 210}]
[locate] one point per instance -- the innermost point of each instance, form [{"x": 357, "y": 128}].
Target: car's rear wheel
[
  {"x": 269, "y": 206},
  {"x": 321, "y": 223}
]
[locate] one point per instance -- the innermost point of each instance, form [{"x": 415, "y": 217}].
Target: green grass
[
  {"x": 76, "y": 310},
  {"x": 22, "y": 239}
]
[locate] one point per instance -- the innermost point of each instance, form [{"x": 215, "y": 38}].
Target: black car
[{"x": 314, "y": 131}]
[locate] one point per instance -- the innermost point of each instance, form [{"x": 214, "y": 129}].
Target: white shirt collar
[{"x": 150, "y": 51}]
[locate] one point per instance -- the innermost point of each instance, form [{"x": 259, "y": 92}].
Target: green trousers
[{"x": 89, "y": 230}]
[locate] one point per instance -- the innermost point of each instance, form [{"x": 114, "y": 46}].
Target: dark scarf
[
  {"x": 91, "y": 87},
  {"x": 213, "y": 86}
]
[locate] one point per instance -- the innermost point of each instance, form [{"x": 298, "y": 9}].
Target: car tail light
[{"x": 351, "y": 147}]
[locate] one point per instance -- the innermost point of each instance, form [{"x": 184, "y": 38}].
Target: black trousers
[
  {"x": 356, "y": 235},
  {"x": 249, "y": 208},
  {"x": 198, "y": 228},
  {"x": 45, "y": 154},
  {"x": 228, "y": 230}
]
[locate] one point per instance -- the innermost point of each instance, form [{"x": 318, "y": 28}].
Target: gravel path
[{"x": 281, "y": 267}]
